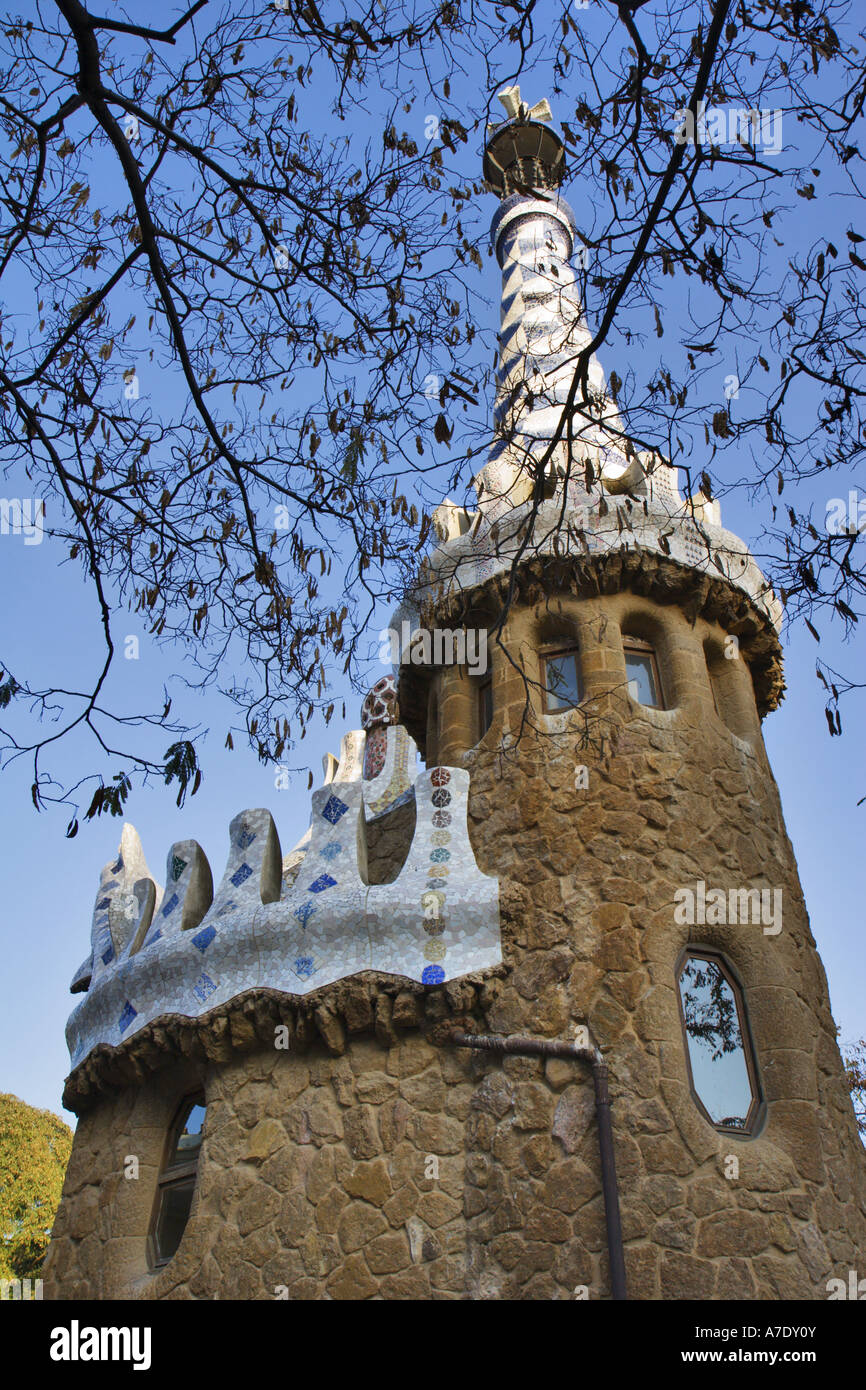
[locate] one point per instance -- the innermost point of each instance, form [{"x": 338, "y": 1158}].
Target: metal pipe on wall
[{"x": 547, "y": 1047}]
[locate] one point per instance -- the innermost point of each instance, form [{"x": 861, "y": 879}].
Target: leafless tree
[{"x": 219, "y": 319}]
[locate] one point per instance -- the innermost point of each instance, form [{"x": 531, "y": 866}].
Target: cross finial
[
  {"x": 515, "y": 109},
  {"x": 523, "y": 151}
]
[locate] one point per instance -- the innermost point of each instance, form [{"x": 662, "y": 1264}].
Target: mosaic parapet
[
  {"x": 438, "y": 921},
  {"x": 125, "y": 902},
  {"x": 130, "y": 907},
  {"x": 441, "y": 909}
]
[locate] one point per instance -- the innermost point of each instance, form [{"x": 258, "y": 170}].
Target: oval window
[{"x": 718, "y": 1049}]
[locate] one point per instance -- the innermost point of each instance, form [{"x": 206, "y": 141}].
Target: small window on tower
[
  {"x": 733, "y": 698},
  {"x": 485, "y": 706},
  {"x": 718, "y": 1048},
  {"x": 176, "y": 1183},
  {"x": 642, "y": 673},
  {"x": 432, "y": 739},
  {"x": 560, "y": 678}
]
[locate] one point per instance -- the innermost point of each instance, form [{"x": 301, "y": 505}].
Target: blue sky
[{"x": 50, "y": 624}]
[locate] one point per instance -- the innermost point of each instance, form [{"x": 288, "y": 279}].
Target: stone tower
[{"x": 272, "y": 1098}]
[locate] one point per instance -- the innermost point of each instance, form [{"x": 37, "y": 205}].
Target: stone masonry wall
[
  {"x": 588, "y": 921},
  {"x": 312, "y": 1177}
]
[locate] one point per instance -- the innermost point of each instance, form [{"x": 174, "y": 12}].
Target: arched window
[
  {"x": 730, "y": 700},
  {"x": 176, "y": 1182},
  {"x": 432, "y": 737},
  {"x": 560, "y": 678},
  {"x": 642, "y": 672},
  {"x": 485, "y": 705},
  {"x": 719, "y": 1053}
]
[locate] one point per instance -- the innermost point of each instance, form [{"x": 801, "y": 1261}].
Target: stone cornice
[
  {"x": 644, "y": 572},
  {"x": 370, "y": 1002}
]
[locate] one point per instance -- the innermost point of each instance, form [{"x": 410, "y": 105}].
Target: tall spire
[
  {"x": 543, "y": 333},
  {"x": 543, "y": 328}
]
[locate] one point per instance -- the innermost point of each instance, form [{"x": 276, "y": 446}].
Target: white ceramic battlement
[
  {"x": 656, "y": 519},
  {"x": 187, "y": 949}
]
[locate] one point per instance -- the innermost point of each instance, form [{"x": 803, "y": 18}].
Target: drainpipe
[{"x": 546, "y": 1047}]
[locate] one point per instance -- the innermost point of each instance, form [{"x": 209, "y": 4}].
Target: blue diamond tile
[
  {"x": 108, "y": 955},
  {"x": 204, "y": 938},
  {"x": 170, "y": 905},
  {"x": 304, "y": 967},
  {"x": 154, "y": 936},
  {"x": 241, "y": 875},
  {"x": 333, "y": 809},
  {"x": 127, "y": 1015},
  {"x": 102, "y": 904},
  {"x": 227, "y": 907},
  {"x": 305, "y": 912},
  {"x": 331, "y": 850},
  {"x": 246, "y": 838},
  {"x": 321, "y": 883},
  {"x": 203, "y": 987}
]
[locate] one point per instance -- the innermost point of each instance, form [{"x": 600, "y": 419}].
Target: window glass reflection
[
  {"x": 718, "y": 1058},
  {"x": 189, "y": 1136},
  {"x": 561, "y": 681},
  {"x": 176, "y": 1181},
  {"x": 175, "y": 1204},
  {"x": 641, "y": 677}
]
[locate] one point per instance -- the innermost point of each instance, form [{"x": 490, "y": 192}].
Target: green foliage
[
  {"x": 854, "y": 1056},
  {"x": 34, "y": 1150}
]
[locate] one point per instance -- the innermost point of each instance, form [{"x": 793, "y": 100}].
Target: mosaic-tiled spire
[
  {"x": 610, "y": 495},
  {"x": 543, "y": 327}
]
